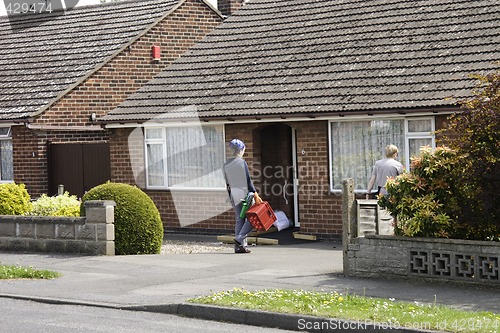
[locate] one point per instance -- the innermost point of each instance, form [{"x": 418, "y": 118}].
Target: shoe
[
  {"x": 241, "y": 249},
  {"x": 237, "y": 242}
]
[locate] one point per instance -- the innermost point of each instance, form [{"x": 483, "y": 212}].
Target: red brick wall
[
  {"x": 107, "y": 88},
  {"x": 320, "y": 211},
  {"x": 188, "y": 204}
]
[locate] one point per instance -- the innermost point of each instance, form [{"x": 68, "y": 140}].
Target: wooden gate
[{"x": 78, "y": 166}]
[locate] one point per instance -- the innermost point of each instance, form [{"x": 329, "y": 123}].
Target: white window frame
[
  {"x": 418, "y": 135},
  {"x": 156, "y": 141},
  {"x": 7, "y": 137},
  {"x": 162, "y": 141},
  {"x": 408, "y": 137}
]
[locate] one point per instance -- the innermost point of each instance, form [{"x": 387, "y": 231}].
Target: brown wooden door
[{"x": 78, "y": 166}]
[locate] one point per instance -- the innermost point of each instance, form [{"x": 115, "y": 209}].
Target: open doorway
[{"x": 278, "y": 183}]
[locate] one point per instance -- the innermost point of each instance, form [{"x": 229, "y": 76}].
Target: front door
[{"x": 277, "y": 183}]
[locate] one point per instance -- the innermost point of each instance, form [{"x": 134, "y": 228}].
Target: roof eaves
[{"x": 299, "y": 116}]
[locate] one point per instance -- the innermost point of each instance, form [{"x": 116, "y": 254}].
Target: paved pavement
[{"x": 164, "y": 282}]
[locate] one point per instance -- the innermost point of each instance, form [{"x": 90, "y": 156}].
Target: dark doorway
[
  {"x": 277, "y": 168},
  {"x": 78, "y": 166}
]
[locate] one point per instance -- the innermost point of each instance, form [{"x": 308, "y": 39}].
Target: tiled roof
[
  {"x": 313, "y": 57},
  {"x": 44, "y": 55}
]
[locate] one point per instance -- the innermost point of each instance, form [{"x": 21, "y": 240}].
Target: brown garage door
[{"x": 78, "y": 166}]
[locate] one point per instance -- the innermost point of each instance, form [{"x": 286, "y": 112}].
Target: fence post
[{"x": 348, "y": 220}]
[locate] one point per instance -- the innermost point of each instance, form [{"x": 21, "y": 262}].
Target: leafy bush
[
  {"x": 138, "y": 227},
  {"x": 424, "y": 200},
  {"x": 475, "y": 135},
  {"x": 452, "y": 192},
  {"x": 14, "y": 199},
  {"x": 61, "y": 205}
]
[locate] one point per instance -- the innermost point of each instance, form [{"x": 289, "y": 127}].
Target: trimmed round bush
[
  {"x": 138, "y": 226},
  {"x": 14, "y": 199}
]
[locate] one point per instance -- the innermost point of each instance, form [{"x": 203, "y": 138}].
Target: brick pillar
[
  {"x": 101, "y": 214},
  {"x": 229, "y": 7}
]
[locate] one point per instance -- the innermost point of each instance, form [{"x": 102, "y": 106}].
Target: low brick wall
[
  {"x": 93, "y": 234},
  {"x": 367, "y": 253}
]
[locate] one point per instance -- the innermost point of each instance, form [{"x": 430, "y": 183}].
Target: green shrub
[
  {"x": 424, "y": 200},
  {"x": 61, "y": 205},
  {"x": 428, "y": 201},
  {"x": 14, "y": 199},
  {"x": 138, "y": 226},
  {"x": 452, "y": 192},
  {"x": 475, "y": 134}
]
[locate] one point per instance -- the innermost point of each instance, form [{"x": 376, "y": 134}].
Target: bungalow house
[
  {"x": 316, "y": 90},
  {"x": 60, "y": 71}
]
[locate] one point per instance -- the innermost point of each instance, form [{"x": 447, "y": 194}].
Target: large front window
[
  {"x": 188, "y": 157},
  {"x": 7, "y": 164},
  {"x": 356, "y": 145}
]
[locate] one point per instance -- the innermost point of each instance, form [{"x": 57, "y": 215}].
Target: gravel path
[{"x": 178, "y": 247}]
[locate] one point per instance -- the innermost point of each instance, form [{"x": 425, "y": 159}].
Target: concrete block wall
[
  {"x": 93, "y": 234},
  {"x": 429, "y": 258},
  {"x": 375, "y": 255}
]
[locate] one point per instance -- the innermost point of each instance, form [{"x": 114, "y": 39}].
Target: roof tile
[
  {"x": 296, "y": 57},
  {"x": 42, "y": 55}
]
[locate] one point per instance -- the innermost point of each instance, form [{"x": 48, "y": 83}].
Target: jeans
[{"x": 242, "y": 226}]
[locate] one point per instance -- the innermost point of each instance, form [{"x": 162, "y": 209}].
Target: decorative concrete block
[
  {"x": 86, "y": 232},
  {"x": 17, "y": 244},
  {"x": 45, "y": 230},
  {"x": 98, "y": 248},
  {"x": 100, "y": 211},
  {"x": 65, "y": 231},
  {"x": 75, "y": 246},
  {"x": 488, "y": 267},
  {"x": 56, "y": 246},
  {"x": 464, "y": 266},
  {"x": 105, "y": 232},
  {"x": 25, "y": 230},
  {"x": 7, "y": 229}
]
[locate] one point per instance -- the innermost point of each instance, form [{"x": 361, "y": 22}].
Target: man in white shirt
[{"x": 385, "y": 168}]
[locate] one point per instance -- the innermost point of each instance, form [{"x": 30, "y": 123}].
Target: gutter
[
  {"x": 90, "y": 128},
  {"x": 338, "y": 116}
]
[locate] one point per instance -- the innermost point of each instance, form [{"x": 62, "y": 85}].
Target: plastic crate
[{"x": 261, "y": 216}]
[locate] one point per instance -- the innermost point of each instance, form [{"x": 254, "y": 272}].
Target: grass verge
[
  {"x": 20, "y": 272},
  {"x": 366, "y": 309}
]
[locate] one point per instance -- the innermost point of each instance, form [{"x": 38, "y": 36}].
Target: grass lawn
[
  {"x": 366, "y": 309},
  {"x": 20, "y": 272}
]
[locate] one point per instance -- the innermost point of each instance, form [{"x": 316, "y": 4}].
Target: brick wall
[
  {"x": 107, "y": 88},
  {"x": 320, "y": 211}
]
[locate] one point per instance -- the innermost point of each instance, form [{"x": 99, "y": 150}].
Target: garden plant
[
  {"x": 60, "y": 205},
  {"x": 14, "y": 199},
  {"x": 452, "y": 191},
  {"x": 138, "y": 226}
]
